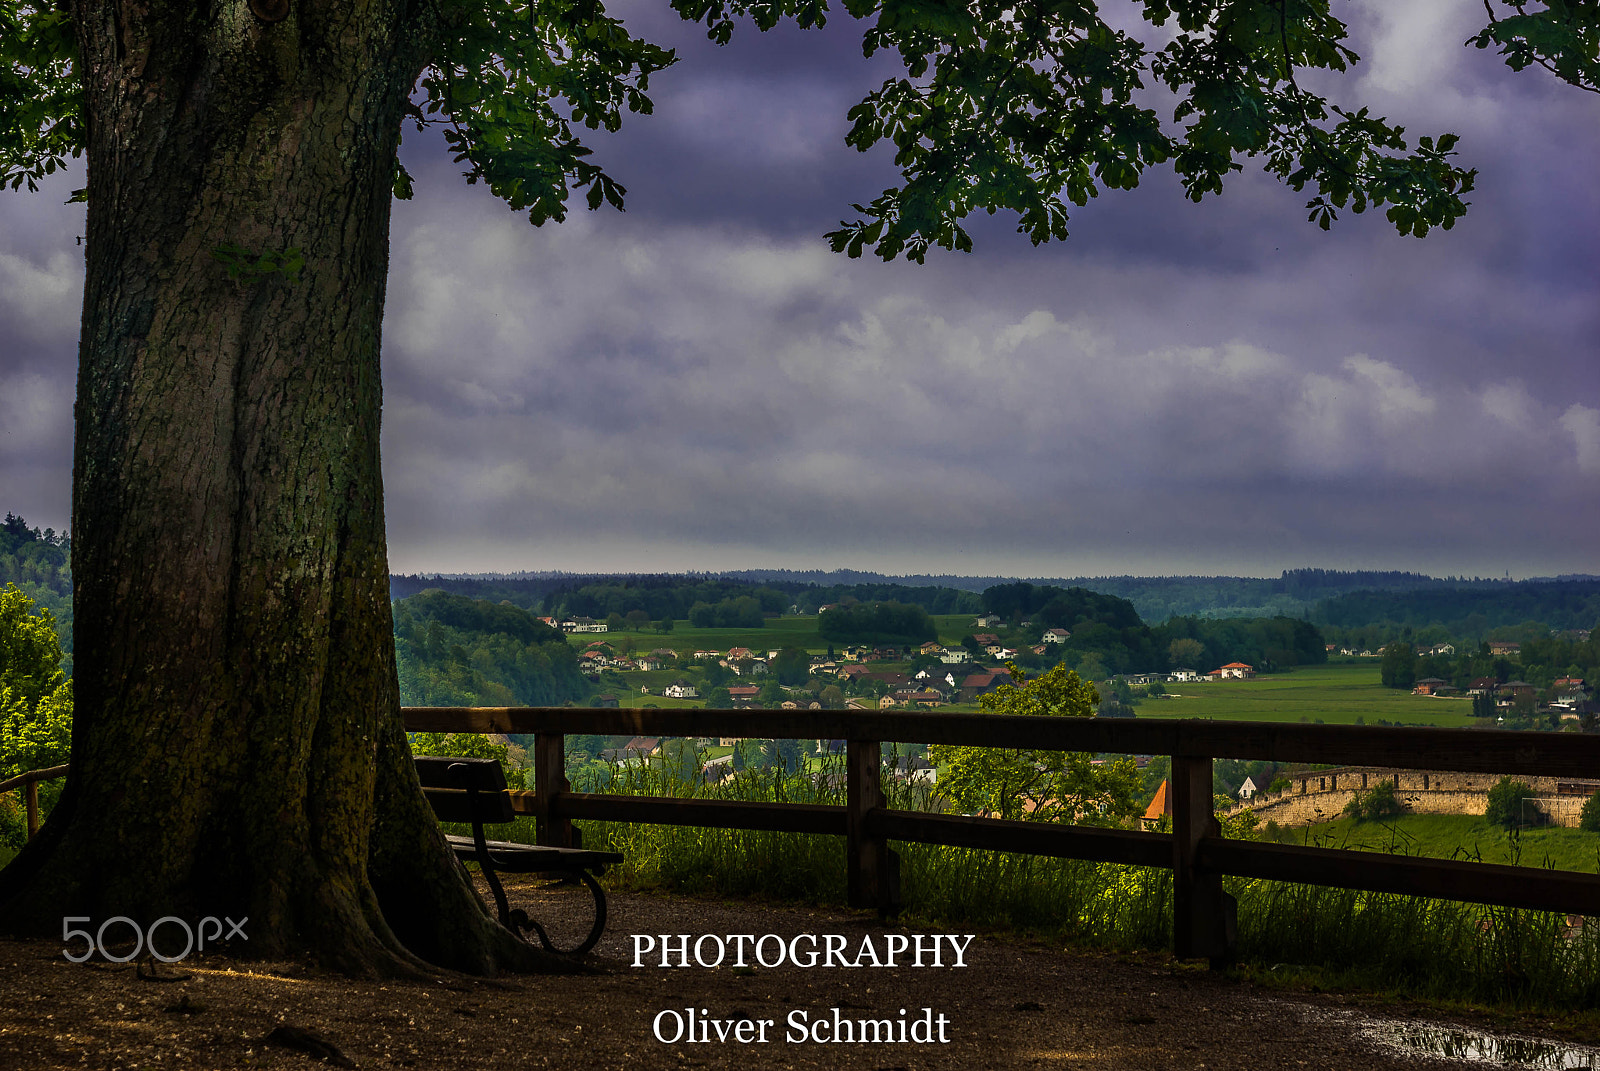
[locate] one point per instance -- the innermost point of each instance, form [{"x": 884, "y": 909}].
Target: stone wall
[{"x": 1323, "y": 795}]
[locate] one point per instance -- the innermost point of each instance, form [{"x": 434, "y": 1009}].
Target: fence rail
[
  {"x": 29, "y": 781},
  {"x": 1195, "y": 851}
]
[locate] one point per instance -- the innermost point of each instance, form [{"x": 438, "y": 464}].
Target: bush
[
  {"x": 1380, "y": 802},
  {"x": 1505, "y": 802},
  {"x": 1589, "y": 817}
]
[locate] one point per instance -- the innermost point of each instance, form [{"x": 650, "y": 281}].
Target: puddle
[{"x": 1470, "y": 1046}]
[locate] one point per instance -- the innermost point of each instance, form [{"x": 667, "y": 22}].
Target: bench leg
[{"x": 520, "y": 923}]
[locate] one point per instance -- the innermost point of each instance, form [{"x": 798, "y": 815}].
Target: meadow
[
  {"x": 1450, "y": 836},
  {"x": 1348, "y": 693},
  {"x": 1426, "y": 948}
]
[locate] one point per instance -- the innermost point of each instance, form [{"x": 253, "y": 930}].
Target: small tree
[
  {"x": 1380, "y": 802},
  {"x": 1042, "y": 785},
  {"x": 1505, "y": 802},
  {"x": 1589, "y": 817},
  {"x": 1185, "y": 652},
  {"x": 1399, "y": 669}
]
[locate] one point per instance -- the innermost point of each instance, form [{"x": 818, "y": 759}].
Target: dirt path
[{"x": 1009, "y": 1006}]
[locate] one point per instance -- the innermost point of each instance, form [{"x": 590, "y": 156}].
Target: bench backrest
[{"x": 465, "y": 790}]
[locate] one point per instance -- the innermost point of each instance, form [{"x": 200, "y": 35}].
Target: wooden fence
[
  {"x": 29, "y": 783},
  {"x": 1194, "y": 850}
]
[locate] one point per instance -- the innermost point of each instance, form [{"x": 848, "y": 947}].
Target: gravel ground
[{"x": 1012, "y": 1005}]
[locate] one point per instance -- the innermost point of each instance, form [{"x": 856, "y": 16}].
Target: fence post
[
  {"x": 549, "y": 779},
  {"x": 32, "y": 796},
  {"x": 1201, "y": 911},
  {"x": 872, "y": 878}
]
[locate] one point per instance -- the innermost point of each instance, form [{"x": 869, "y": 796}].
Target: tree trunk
[{"x": 238, "y": 749}]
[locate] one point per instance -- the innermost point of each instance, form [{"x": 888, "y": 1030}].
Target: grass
[
  {"x": 1450, "y": 836},
  {"x": 1334, "y": 694},
  {"x": 1434, "y": 949},
  {"x": 778, "y": 632},
  {"x": 6, "y": 855}
]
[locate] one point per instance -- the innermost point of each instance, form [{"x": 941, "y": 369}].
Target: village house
[
  {"x": 680, "y": 690},
  {"x": 1056, "y": 635},
  {"x": 639, "y": 747},
  {"x": 1183, "y": 676},
  {"x": 1503, "y": 648},
  {"x": 1432, "y": 686},
  {"x": 987, "y": 620},
  {"x": 743, "y": 694},
  {"x": 954, "y": 656},
  {"x": 1236, "y": 671},
  {"x": 976, "y": 684}
]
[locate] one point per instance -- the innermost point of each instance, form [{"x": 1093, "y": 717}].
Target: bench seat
[{"x": 473, "y": 791}]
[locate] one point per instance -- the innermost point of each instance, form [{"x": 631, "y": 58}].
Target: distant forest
[
  {"x": 40, "y": 563},
  {"x": 1294, "y": 593},
  {"x": 452, "y": 650},
  {"x": 1365, "y": 608},
  {"x": 660, "y": 596},
  {"x": 1467, "y": 613}
]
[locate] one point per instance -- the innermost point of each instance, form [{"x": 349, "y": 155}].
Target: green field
[
  {"x": 778, "y": 632},
  {"x": 1335, "y": 694},
  {"x": 1449, "y": 836}
]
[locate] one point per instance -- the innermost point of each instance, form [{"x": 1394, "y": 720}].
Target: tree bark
[{"x": 238, "y": 749}]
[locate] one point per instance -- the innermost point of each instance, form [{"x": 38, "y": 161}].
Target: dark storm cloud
[{"x": 1178, "y": 387}]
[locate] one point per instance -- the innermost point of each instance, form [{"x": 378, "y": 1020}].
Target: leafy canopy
[
  {"x": 35, "y": 704},
  {"x": 1049, "y": 786},
  {"x": 1025, "y": 108}
]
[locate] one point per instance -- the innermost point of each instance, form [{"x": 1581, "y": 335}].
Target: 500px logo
[{"x": 147, "y": 937}]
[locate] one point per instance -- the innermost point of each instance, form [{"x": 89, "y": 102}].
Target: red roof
[{"x": 1161, "y": 805}]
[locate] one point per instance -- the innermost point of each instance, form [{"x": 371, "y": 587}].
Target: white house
[
  {"x": 680, "y": 690},
  {"x": 1186, "y": 676},
  {"x": 952, "y": 656},
  {"x": 1056, "y": 635}
]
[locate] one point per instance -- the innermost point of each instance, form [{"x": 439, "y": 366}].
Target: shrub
[
  {"x": 1589, "y": 817},
  {"x": 1505, "y": 802},
  {"x": 1380, "y": 802}
]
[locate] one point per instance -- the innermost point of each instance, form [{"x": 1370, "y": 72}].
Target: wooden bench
[{"x": 472, "y": 792}]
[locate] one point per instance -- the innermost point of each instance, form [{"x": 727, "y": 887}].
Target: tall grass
[{"x": 1433, "y": 948}]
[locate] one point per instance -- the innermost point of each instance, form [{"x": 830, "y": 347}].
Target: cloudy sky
[{"x": 699, "y": 383}]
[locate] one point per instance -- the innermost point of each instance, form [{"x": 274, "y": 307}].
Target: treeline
[
  {"x": 1156, "y": 598},
  {"x": 1101, "y": 625},
  {"x": 1539, "y": 662},
  {"x": 1107, "y": 633},
  {"x": 885, "y": 622},
  {"x": 744, "y": 611},
  {"x": 40, "y": 564},
  {"x": 1266, "y": 643},
  {"x": 1466, "y": 613},
  {"x": 451, "y": 650},
  {"x": 675, "y": 597}
]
